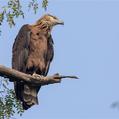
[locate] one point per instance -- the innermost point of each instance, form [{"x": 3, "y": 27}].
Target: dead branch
[{"x": 15, "y": 75}]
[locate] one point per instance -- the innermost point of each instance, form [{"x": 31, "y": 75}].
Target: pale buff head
[{"x": 50, "y": 20}]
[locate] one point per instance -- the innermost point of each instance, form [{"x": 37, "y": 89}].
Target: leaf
[
  {"x": 45, "y": 4},
  {"x": 34, "y": 5},
  {"x": 9, "y": 105}
]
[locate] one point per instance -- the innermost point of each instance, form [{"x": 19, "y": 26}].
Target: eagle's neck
[{"x": 44, "y": 27}]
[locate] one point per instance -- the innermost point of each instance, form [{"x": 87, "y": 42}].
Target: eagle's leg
[{"x": 37, "y": 75}]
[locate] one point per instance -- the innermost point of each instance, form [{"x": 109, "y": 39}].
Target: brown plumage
[{"x": 33, "y": 53}]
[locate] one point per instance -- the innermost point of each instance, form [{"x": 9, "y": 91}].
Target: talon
[
  {"x": 38, "y": 76},
  {"x": 34, "y": 74}
]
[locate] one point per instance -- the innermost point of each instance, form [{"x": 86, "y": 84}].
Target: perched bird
[{"x": 32, "y": 53}]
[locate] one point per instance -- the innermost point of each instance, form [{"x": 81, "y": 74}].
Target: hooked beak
[{"x": 60, "y": 22}]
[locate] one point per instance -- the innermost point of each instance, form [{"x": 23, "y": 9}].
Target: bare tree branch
[{"x": 15, "y": 75}]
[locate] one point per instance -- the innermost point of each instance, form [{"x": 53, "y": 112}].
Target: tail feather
[
  {"x": 30, "y": 94},
  {"x": 27, "y": 94}
]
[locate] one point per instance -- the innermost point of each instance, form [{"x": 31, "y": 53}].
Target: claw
[{"x": 38, "y": 76}]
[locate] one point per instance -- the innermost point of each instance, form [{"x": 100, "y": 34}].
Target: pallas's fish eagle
[{"x": 32, "y": 53}]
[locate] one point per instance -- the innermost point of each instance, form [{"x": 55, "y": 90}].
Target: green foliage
[
  {"x": 9, "y": 105},
  {"x": 34, "y": 5},
  {"x": 45, "y": 4},
  {"x": 13, "y": 10}
]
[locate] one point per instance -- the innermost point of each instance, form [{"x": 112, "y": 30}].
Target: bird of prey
[{"x": 32, "y": 53}]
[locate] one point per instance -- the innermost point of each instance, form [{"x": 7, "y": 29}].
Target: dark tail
[{"x": 27, "y": 94}]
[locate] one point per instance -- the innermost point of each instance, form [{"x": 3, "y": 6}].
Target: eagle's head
[{"x": 50, "y": 20}]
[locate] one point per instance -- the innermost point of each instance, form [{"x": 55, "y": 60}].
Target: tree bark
[{"x": 15, "y": 75}]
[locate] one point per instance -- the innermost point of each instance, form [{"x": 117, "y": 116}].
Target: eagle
[{"x": 32, "y": 53}]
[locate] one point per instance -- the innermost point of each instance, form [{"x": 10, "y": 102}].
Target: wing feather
[
  {"x": 20, "y": 49},
  {"x": 19, "y": 56},
  {"x": 50, "y": 54}
]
